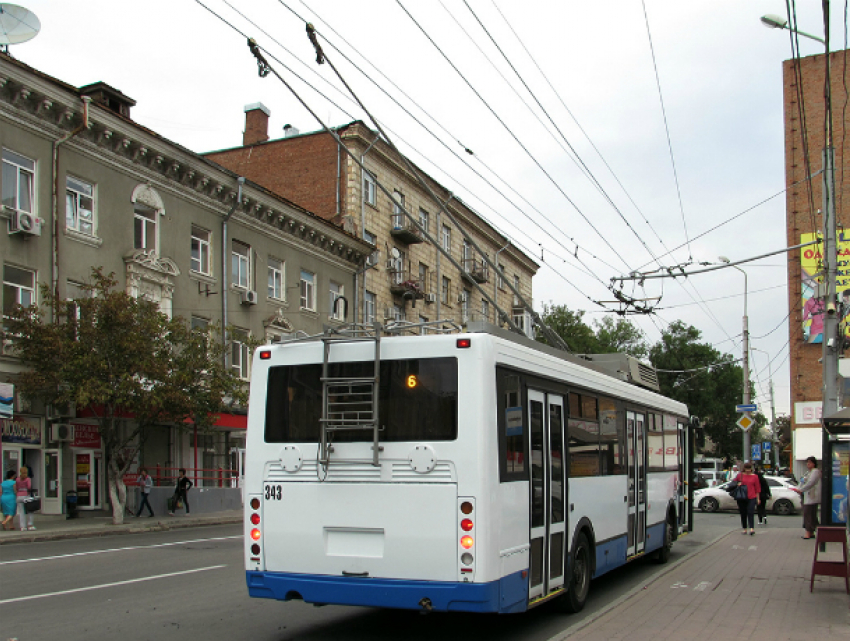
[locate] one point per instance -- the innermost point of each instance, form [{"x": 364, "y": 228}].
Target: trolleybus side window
[
  {"x": 655, "y": 443},
  {"x": 612, "y": 437},
  {"x": 418, "y": 401},
  {"x": 511, "y": 425},
  {"x": 583, "y": 429},
  {"x": 671, "y": 442}
]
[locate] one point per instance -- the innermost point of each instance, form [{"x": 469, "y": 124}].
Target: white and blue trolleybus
[{"x": 477, "y": 471}]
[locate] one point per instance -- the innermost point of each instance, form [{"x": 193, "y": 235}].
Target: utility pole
[
  {"x": 831, "y": 341},
  {"x": 746, "y": 363}
]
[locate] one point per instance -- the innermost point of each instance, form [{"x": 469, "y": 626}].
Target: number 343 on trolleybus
[{"x": 476, "y": 471}]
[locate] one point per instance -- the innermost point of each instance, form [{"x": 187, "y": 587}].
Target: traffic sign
[
  {"x": 745, "y": 422},
  {"x": 756, "y": 448},
  {"x": 746, "y": 408},
  {"x": 766, "y": 446}
]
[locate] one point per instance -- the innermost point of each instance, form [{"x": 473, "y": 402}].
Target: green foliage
[
  {"x": 605, "y": 336},
  {"x": 120, "y": 357},
  {"x": 711, "y": 394}
]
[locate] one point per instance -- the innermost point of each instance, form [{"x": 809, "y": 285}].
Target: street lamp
[
  {"x": 772, "y": 21},
  {"x": 746, "y": 359},
  {"x": 773, "y": 436}
]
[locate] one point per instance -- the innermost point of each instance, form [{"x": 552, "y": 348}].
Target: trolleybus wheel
[
  {"x": 663, "y": 554},
  {"x": 579, "y": 585}
]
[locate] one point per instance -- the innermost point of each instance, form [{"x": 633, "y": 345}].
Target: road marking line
[
  {"x": 754, "y": 547},
  {"x": 132, "y": 547},
  {"x": 701, "y": 586},
  {"x": 109, "y": 585}
]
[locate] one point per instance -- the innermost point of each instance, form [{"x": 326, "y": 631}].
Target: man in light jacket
[
  {"x": 145, "y": 484},
  {"x": 810, "y": 489}
]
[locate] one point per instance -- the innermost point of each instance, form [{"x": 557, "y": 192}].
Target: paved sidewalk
[
  {"x": 50, "y": 528},
  {"x": 740, "y": 587}
]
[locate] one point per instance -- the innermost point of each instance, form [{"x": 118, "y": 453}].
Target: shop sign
[
  {"x": 7, "y": 400},
  {"x": 21, "y": 430},
  {"x": 87, "y": 436}
]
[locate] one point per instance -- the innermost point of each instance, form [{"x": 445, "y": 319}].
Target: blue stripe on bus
[
  {"x": 610, "y": 554},
  {"x": 509, "y": 594},
  {"x": 655, "y": 536}
]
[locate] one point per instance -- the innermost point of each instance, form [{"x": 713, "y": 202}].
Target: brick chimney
[{"x": 256, "y": 124}]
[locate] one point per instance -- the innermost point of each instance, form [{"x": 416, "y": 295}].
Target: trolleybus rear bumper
[{"x": 510, "y": 594}]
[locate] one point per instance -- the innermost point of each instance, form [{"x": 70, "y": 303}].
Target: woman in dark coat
[{"x": 764, "y": 494}]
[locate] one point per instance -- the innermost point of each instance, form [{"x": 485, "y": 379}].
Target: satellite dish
[
  {"x": 395, "y": 253},
  {"x": 17, "y": 25}
]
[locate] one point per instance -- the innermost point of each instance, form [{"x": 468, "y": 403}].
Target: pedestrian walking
[
  {"x": 747, "y": 506},
  {"x": 810, "y": 489},
  {"x": 731, "y": 474},
  {"x": 145, "y": 484},
  {"x": 764, "y": 495},
  {"x": 23, "y": 488},
  {"x": 181, "y": 492},
  {"x": 7, "y": 500}
]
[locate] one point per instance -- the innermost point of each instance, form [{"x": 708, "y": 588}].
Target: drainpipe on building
[
  {"x": 357, "y": 309},
  {"x": 224, "y": 284},
  {"x": 54, "y": 268},
  {"x": 496, "y": 280}
]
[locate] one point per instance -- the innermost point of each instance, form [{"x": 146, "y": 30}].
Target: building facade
[
  {"x": 409, "y": 279},
  {"x": 804, "y": 146},
  {"x": 85, "y": 186}
]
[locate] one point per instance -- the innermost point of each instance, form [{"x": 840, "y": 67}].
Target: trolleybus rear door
[
  {"x": 635, "y": 430},
  {"x": 547, "y": 501}
]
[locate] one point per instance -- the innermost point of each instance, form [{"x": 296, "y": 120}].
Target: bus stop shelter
[{"x": 835, "y": 461}]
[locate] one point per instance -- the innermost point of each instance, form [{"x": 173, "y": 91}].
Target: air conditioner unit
[
  {"x": 56, "y": 411},
  {"x": 430, "y": 298},
  {"x": 23, "y": 222},
  {"x": 372, "y": 259},
  {"x": 61, "y": 432},
  {"x": 249, "y": 297}
]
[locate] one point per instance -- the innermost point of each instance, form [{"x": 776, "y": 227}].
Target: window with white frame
[
  {"x": 447, "y": 239},
  {"x": 144, "y": 227},
  {"x": 397, "y": 274},
  {"x": 200, "y": 251},
  {"x": 18, "y": 181},
  {"x": 369, "y": 300},
  {"x": 370, "y": 191},
  {"x": 199, "y": 323},
  {"x": 485, "y": 309},
  {"x": 369, "y": 237},
  {"x": 240, "y": 355},
  {"x": 500, "y": 281},
  {"x": 337, "y": 310},
  {"x": 396, "y": 313},
  {"x": 75, "y": 292},
  {"x": 276, "y": 279},
  {"x": 398, "y": 215},
  {"x": 79, "y": 206},
  {"x": 464, "y": 305},
  {"x": 18, "y": 288},
  {"x": 423, "y": 277},
  {"x": 423, "y": 329},
  {"x": 467, "y": 251},
  {"x": 516, "y": 287},
  {"x": 240, "y": 264},
  {"x": 308, "y": 290},
  {"x": 424, "y": 220},
  {"x": 445, "y": 288}
]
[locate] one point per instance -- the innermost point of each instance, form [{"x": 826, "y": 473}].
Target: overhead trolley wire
[{"x": 512, "y": 134}]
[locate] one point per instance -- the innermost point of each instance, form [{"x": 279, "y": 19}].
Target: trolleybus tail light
[
  {"x": 255, "y": 519},
  {"x": 255, "y": 534},
  {"x": 463, "y": 343},
  {"x": 255, "y": 503},
  {"x": 466, "y": 507},
  {"x": 465, "y": 541},
  {"x": 265, "y": 354},
  {"x": 465, "y": 525}
]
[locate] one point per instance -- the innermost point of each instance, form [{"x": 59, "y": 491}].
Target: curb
[
  {"x": 592, "y": 618},
  {"x": 39, "y": 537}
]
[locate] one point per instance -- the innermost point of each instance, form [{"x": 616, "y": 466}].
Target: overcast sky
[{"x": 721, "y": 82}]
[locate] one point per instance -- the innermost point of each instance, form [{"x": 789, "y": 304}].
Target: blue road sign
[
  {"x": 746, "y": 408},
  {"x": 756, "y": 447},
  {"x": 766, "y": 446}
]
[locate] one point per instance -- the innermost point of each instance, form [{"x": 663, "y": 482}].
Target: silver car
[{"x": 783, "y": 500}]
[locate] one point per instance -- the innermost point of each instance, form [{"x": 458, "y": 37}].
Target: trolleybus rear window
[{"x": 417, "y": 401}]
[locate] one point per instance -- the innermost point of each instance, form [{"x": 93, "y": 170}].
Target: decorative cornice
[{"x": 149, "y": 260}]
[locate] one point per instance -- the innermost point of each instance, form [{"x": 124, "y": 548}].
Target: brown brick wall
[
  {"x": 802, "y": 206},
  {"x": 302, "y": 169}
]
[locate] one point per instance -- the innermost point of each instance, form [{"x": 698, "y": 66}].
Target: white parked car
[{"x": 783, "y": 500}]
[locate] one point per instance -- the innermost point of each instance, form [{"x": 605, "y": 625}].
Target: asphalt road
[{"x": 190, "y": 584}]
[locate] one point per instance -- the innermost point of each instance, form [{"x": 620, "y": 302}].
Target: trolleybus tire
[
  {"x": 579, "y": 576},
  {"x": 663, "y": 553}
]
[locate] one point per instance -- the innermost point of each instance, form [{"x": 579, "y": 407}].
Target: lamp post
[
  {"x": 746, "y": 359},
  {"x": 773, "y": 437},
  {"x": 831, "y": 343}
]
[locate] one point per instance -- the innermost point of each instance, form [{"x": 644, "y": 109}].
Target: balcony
[
  {"x": 401, "y": 285},
  {"x": 475, "y": 270},
  {"x": 405, "y": 231}
]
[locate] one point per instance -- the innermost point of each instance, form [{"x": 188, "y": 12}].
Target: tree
[
  {"x": 706, "y": 380},
  {"x": 126, "y": 362},
  {"x": 569, "y": 325},
  {"x": 620, "y": 335}
]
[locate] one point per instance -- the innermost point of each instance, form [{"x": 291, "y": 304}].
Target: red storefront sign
[{"x": 87, "y": 436}]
